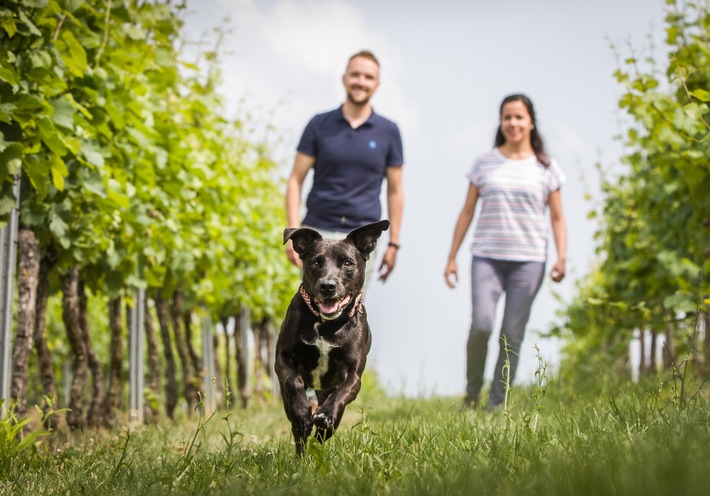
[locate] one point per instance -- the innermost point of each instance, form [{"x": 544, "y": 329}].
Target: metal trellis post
[
  {"x": 8, "y": 258},
  {"x": 208, "y": 364},
  {"x": 245, "y": 331},
  {"x": 135, "y": 369}
]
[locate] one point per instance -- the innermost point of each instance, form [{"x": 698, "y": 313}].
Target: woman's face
[{"x": 516, "y": 123}]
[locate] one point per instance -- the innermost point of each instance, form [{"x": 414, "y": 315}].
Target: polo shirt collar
[{"x": 369, "y": 122}]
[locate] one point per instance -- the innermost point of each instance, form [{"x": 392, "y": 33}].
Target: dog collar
[{"x": 357, "y": 307}]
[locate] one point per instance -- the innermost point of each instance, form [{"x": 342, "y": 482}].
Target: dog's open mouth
[{"x": 331, "y": 308}]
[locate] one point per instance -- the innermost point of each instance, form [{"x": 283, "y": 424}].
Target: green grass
[{"x": 616, "y": 439}]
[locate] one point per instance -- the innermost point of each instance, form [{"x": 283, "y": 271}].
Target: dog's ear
[
  {"x": 365, "y": 237},
  {"x": 288, "y": 232},
  {"x": 302, "y": 238}
]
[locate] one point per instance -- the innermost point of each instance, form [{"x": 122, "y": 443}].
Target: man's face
[{"x": 361, "y": 80}]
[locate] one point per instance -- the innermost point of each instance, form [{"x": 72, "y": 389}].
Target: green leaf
[
  {"x": 27, "y": 22},
  {"x": 37, "y": 172},
  {"x": 49, "y": 136},
  {"x": 35, "y": 4},
  {"x": 91, "y": 181},
  {"x": 115, "y": 193},
  {"x": 92, "y": 155},
  {"x": 115, "y": 115},
  {"x": 34, "y": 215},
  {"x": 680, "y": 302},
  {"x": 9, "y": 76},
  {"x": 5, "y": 110},
  {"x": 27, "y": 107},
  {"x": 40, "y": 59},
  {"x": 10, "y": 26},
  {"x": 701, "y": 94},
  {"x": 71, "y": 5},
  {"x": 692, "y": 110},
  {"x": 59, "y": 172},
  {"x": 11, "y": 160},
  {"x": 59, "y": 228},
  {"x": 139, "y": 137},
  {"x": 63, "y": 115},
  {"x": 73, "y": 53},
  {"x": 136, "y": 33},
  {"x": 155, "y": 276},
  {"x": 7, "y": 203}
]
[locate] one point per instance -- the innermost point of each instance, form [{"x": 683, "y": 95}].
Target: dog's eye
[
  {"x": 315, "y": 264},
  {"x": 348, "y": 264}
]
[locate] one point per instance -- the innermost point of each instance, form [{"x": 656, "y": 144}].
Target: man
[{"x": 351, "y": 150}]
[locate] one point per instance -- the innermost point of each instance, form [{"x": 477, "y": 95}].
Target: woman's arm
[
  {"x": 559, "y": 230},
  {"x": 462, "y": 225}
]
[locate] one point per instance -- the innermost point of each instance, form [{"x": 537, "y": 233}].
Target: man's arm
[
  {"x": 301, "y": 165},
  {"x": 395, "y": 205}
]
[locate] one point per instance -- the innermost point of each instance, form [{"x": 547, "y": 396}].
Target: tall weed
[{"x": 18, "y": 444}]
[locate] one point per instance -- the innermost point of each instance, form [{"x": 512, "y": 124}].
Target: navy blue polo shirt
[{"x": 349, "y": 168}]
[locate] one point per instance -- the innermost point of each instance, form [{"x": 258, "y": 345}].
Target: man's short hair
[{"x": 367, "y": 54}]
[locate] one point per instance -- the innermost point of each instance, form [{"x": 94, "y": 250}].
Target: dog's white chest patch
[{"x": 324, "y": 348}]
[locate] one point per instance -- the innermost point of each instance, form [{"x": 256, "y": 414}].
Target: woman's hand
[
  {"x": 451, "y": 270},
  {"x": 558, "y": 271}
]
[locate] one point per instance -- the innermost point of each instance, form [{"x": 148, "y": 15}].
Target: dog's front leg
[
  {"x": 328, "y": 415},
  {"x": 296, "y": 405}
]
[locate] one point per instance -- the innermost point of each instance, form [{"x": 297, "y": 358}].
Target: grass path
[{"x": 628, "y": 439}]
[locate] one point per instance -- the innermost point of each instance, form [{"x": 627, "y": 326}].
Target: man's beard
[{"x": 360, "y": 103}]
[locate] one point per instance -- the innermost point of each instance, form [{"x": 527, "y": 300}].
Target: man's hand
[
  {"x": 387, "y": 265},
  {"x": 292, "y": 255}
]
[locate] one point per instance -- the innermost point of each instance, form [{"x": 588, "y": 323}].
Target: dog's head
[{"x": 334, "y": 270}]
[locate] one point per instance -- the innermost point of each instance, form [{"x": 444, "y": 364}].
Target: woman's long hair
[{"x": 535, "y": 139}]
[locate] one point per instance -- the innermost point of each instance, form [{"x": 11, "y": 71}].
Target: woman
[{"x": 514, "y": 183}]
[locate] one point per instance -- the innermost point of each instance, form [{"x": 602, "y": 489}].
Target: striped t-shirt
[{"x": 513, "y": 196}]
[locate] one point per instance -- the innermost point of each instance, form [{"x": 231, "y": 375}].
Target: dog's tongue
[
  {"x": 332, "y": 306},
  {"x": 329, "y": 306}
]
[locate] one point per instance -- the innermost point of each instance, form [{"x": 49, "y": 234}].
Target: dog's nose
[{"x": 327, "y": 288}]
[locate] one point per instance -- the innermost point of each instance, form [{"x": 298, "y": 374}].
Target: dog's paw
[
  {"x": 302, "y": 428},
  {"x": 323, "y": 421}
]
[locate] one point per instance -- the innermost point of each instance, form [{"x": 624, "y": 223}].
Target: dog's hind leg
[{"x": 300, "y": 442}]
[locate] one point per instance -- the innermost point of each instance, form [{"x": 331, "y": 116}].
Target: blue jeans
[{"x": 521, "y": 282}]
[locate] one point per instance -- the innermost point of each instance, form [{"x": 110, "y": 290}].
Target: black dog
[{"x": 325, "y": 336}]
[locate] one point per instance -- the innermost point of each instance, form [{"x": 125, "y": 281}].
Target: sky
[{"x": 445, "y": 67}]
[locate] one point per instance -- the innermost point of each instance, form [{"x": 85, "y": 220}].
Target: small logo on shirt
[{"x": 372, "y": 145}]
